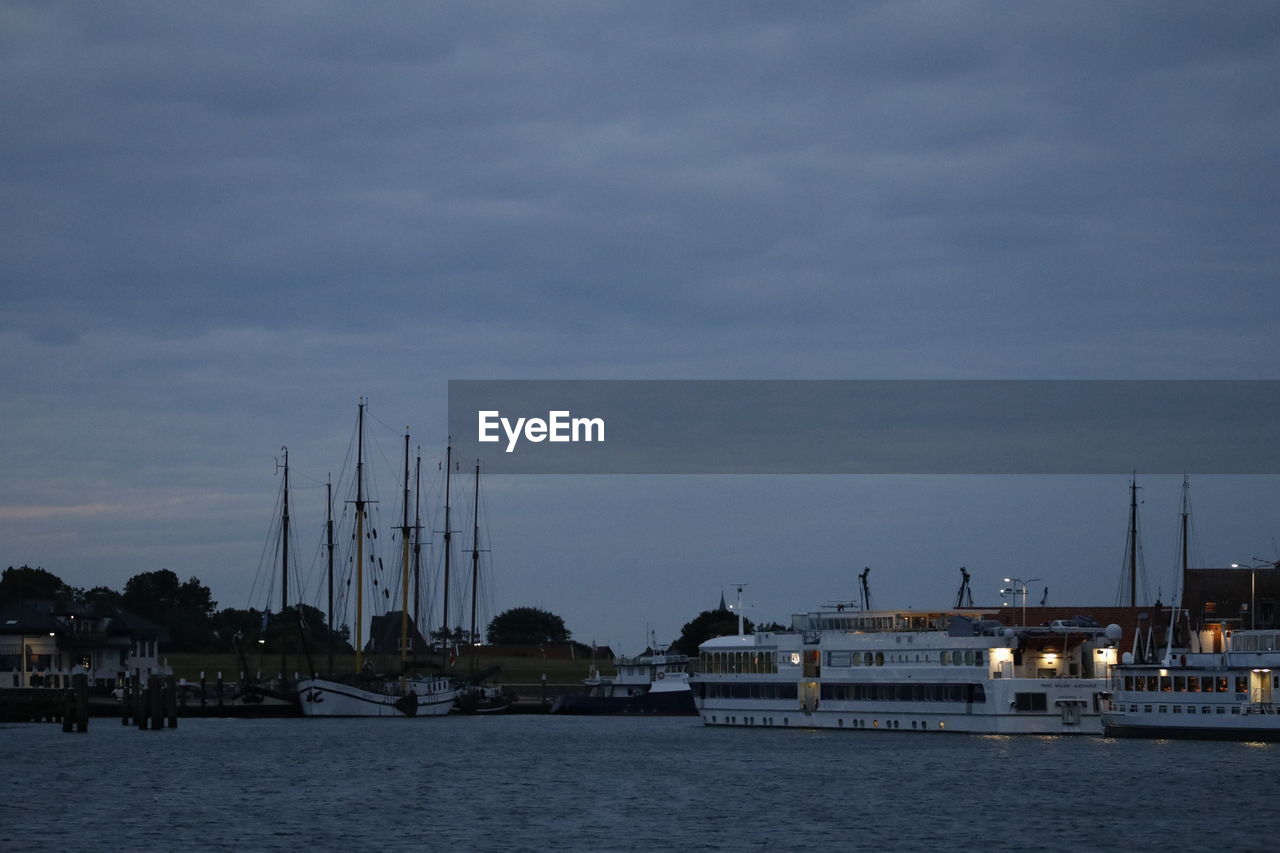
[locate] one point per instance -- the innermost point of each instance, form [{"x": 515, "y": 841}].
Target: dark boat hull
[{"x": 673, "y": 703}]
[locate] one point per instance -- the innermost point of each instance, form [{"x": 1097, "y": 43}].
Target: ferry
[
  {"x": 656, "y": 683},
  {"x": 1224, "y": 691},
  {"x": 908, "y": 670}
]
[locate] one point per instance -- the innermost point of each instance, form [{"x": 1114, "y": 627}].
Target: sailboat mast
[
  {"x": 448, "y": 535},
  {"x": 1186, "y": 515},
  {"x": 404, "y": 566},
  {"x": 360, "y": 538},
  {"x": 475, "y": 559},
  {"x": 417, "y": 540},
  {"x": 284, "y": 567},
  {"x": 1133, "y": 541},
  {"x": 328, "y": 529}
]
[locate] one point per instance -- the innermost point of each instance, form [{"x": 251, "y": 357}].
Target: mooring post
[
  {"x": 126, "y": 697},
  {"x": 143, "y": 693},
  {"x": 171, "y": 695},
  {"x": 219, "y": 693},
  {"x": 157, "y": 703},
  {"x": 68, "y": 709},
  {"x": 80, "y": 693},
  {"x": 204, "y": 702}
]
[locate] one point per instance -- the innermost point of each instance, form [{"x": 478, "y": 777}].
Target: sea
[{"x": 526, "y": 782}]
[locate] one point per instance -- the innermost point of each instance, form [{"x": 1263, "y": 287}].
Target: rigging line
[{"x": 268, "y": 545}]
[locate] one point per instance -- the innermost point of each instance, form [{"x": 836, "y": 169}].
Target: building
[{"x": 43, "y": 643}]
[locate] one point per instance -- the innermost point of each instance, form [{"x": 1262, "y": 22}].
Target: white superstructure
[{"x": 908, "y": 671}]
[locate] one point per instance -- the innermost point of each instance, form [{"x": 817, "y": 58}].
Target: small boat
[{"x": 654, "y": 683}]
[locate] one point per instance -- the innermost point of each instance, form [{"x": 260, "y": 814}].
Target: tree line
[
  {"x": 188, "y": 611},
  {"x": 185, "y": 609}
]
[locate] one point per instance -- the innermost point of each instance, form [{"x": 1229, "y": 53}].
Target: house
[{"x": 43, "y": 643}]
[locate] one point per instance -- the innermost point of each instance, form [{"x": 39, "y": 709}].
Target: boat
[
  {"x": 843, "y": 667},
  {"x": 1217, "y": 684},
  {"x": 654, "y": 683},
  {"x": 276, "y": 696},
  {"x": 364, "y": 694},
  {"x": 1208, "y": 695}
]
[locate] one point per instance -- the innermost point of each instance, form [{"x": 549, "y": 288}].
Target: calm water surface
[{"x": 600, "y": 783}]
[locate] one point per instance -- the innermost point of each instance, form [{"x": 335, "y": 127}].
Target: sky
[{"x": 224, "y": 224}]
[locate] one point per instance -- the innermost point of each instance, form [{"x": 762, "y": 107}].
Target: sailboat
[
  {"x": 478, "y": 697},
  {"x": 371, "y": 696},
  {"x": 276, "y": 696}
]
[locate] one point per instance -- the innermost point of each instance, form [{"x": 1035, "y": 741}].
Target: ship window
[
  {"x": 1222, "y": 684},
  {"x": 1191, "y": 709},
  {"x": 1193, "y": 683},
  {"x": 1128, "y": 682},
  {"x": 879, "y": 658},
  {"x": 957, "y": 658},
  {"x": 1220, "y": 710},
  {"x": 945, "y": 658},
  {"x": 968, "y": 657},
  {"x": 977, "y": 658},
  {"x": 1153, "y": 683},
  {"x": 1242, "y": 684},
  {"x": 1164, "y": 709},
  {"x": 1146, "y": 709},
  {"x": 1180, "y": 683},
  {"x": 1030, "y": 701},
  {"x": 1177, "y": 709}
]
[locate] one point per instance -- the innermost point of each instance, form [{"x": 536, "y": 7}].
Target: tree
[
  {"x": 707, "y": 624},
  {"x": 28, "y": 583},
  {"x": 527, "y": 626},
  {"x": 185, "y": 608}
]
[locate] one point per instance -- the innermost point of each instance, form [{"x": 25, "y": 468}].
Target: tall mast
[
  {"x": 360, "y": 538},
  {"x": 404, "y": 567},
  {"x": 328, "y": 531},
  {"x": 448, "y": 468},
  {"x": 1186, "y": 515},
  {"x": 284, "y": 567},
  {"x": 1133, "y": 541},
  {"x": 417, "y": 540},
  {"x": 475, "y": 559}
]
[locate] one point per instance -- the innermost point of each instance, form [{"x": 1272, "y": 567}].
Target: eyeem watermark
[
  {"x": 868, "y": 426},
  {"x": 559, "y": 426}
]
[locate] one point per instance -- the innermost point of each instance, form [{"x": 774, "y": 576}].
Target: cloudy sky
[{"x": 223, "y": 224}]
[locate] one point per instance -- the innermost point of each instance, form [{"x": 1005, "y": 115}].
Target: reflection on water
[{"x": 598, "y": 783}]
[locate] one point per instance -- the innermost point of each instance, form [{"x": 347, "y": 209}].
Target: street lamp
[{"x": 1019, "y": 582}]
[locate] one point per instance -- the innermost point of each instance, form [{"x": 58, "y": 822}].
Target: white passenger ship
[
  {"x": 1217, "y": 695},
  {"x": 940, "y": 671}
]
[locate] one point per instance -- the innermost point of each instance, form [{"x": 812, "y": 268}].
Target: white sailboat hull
[{"x": 321, "y": 697}]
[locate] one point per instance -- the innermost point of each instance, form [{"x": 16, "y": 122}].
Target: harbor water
[{"x": 607, "y": 783}]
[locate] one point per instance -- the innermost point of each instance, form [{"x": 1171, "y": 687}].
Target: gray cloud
[{"x": 220, "y": 225}]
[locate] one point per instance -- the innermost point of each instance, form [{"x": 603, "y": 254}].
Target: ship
[
  {"x": 910, "y": 670},
  {"x": 654, "y": 683}
]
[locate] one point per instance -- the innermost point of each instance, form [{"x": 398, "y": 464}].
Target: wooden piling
[
  {"x": 219, "y": 693},
  {"x": 156, "y": 686},
  {"x": 171, "y": 700},
  {"x": 80, "y": 697},
  {"x": 204, "y": 702}
]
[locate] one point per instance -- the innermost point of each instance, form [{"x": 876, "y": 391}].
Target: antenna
[{"x": 738, "y": 607}]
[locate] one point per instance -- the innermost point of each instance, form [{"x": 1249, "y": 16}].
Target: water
[{"x": 600, "y": 783}]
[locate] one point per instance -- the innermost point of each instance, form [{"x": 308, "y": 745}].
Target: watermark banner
[{"x": 867, "y": 426}]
